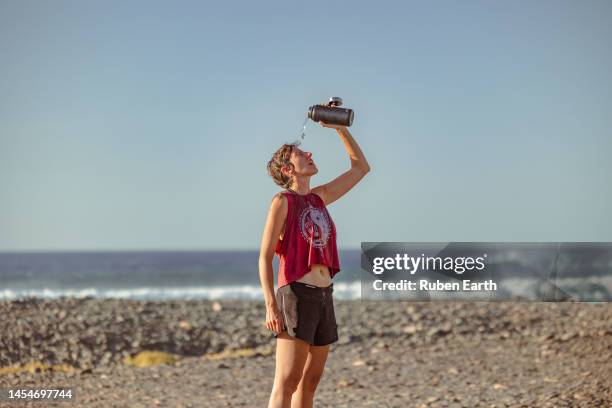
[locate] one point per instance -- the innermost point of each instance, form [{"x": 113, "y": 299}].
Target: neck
[{"x": 301, "y": 186}]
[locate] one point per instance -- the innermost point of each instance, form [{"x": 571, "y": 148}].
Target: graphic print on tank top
[
  {"x": 314, "y": 226},
  {"x": 309, "y": 238}
]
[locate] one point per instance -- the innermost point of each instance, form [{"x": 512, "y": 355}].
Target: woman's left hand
[{"x": 337, "y": 127}]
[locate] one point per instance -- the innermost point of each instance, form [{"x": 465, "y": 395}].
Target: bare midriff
[{"x": 318, "y": 275}]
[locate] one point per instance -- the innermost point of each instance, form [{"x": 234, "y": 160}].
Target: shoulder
[
  {"x": 319, "y": 192},
  {"x": 279, "y": 202}
]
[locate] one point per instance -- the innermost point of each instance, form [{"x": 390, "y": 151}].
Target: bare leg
[
  {"x": 313, "y": 371},
  {"x": 291, "y": 355}
]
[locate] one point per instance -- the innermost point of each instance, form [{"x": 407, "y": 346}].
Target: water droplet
[{"x": 302, "y": 134}]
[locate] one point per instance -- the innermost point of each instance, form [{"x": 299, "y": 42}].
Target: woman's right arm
[{"x": 276, "y": 218}]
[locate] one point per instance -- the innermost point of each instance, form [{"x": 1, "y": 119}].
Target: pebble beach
[{"x": 203, "y": 353}]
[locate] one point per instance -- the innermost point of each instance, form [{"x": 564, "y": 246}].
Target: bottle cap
[{"x": 335, "y": 101}]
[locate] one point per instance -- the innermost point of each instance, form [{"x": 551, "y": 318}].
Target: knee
[
  {"x": 289, "y": 384},
  {"x": 311, "y": 381}
]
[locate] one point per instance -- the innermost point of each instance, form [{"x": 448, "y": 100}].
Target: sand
[{"x": 390, "y": 354}]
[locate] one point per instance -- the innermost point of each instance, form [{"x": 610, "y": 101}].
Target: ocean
[
  {"x": 150, "y": 275},
  {"x": 233, "y": 274}
]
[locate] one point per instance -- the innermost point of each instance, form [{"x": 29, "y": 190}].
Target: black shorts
[{"x": 308, "y": 312}]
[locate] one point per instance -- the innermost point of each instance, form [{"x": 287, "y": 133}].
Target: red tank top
[{"x": 309, "y": 238}]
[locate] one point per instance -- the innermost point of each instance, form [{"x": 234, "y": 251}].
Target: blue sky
[{"x": 148, "y": 125}]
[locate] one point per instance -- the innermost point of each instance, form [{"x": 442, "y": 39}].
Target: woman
[{"x": 300, "y": 230}]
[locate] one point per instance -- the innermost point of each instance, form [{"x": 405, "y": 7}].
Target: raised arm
[{"x": 339, "y": 186}]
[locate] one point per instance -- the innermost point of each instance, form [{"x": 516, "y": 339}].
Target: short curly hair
[{"x": 279, "y": 159}]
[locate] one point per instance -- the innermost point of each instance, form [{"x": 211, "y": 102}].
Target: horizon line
[{"x": 14, "y": 251}]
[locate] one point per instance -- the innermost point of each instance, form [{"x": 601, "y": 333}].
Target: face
[{"x": 303, "y": 163}]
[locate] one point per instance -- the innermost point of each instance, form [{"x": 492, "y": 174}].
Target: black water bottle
[{"x": 331, "y": 113}]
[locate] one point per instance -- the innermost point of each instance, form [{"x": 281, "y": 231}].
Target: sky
[{"x": 147, "y": 125}]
